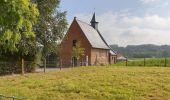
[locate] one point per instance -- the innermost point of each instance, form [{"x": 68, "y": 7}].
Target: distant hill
[{"x": 140, "y": 51}]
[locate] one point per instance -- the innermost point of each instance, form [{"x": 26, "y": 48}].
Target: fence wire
[
  {"x": 159, "y": 62},
  {"x": 3, "y": 97}
]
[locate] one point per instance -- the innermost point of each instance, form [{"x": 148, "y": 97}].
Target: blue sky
[{"x": 125, "y": 22}]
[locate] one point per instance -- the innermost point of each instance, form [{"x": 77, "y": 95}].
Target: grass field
[
  {"x": 159, "y": 62},
  {"x": 91, "y": 83}
]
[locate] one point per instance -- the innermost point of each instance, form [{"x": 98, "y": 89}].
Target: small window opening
[{"x": 74, "y": 43}]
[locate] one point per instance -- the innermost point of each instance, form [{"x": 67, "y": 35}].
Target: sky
[{"x": 125, "y": 22}]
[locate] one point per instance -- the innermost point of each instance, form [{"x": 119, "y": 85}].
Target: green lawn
[{"x": 91, "y": 83}]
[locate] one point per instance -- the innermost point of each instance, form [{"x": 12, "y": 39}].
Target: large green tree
[
  {"x": 51, "y": 25},
  {"x": 17, "y": 18}
]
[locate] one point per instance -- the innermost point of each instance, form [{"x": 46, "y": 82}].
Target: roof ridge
[
  {"x": 100, "y": 35},
  {"x": 105, "y": 41},
  {"x": 91, "y": 33},
  {"x": 83, "y": 22}
]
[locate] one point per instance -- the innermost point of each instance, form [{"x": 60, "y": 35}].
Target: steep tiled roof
[
  {"x": 92, "y": 35},
  {"x": 112, "y": 52}
]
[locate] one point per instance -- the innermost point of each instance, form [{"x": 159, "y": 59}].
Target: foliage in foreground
[
  {"x": 84, "y": 83},
  {"x": 17, "y": 38},
  {"x": 17, "y": 18},
  {"x": 26, "y": 26}
]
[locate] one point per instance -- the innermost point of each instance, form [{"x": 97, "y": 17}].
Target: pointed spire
[
  {"x": 93, "y": 18},
  {"x": 93, "y": 22},
  {"x": 75, "y": 17}
]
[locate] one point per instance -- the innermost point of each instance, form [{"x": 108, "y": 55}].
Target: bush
[{"x": 7, "y": 68}]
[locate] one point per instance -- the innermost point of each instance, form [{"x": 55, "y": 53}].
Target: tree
[
  {"x": 51, "y": 26},
  {"x": 16, "y": 20},
  {"x": 77, "y": 52}
]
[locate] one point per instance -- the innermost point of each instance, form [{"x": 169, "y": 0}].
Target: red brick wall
[
  {"x": 99, "y": 56},
  {"x": 113, "y": 59},
  {"x": 95, "y": 56},
  {"x": 74, "y": 33}
]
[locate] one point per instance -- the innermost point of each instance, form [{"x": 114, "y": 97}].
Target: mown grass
[
  {"x": 91, "y": 83},
  {"x": 158, "y": 62}
]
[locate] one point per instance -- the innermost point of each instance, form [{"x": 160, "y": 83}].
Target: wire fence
[
  {"x": 3, "y": 97},
  {"x": 159, "y": 62},
  {"x": 9, "y": 67}
]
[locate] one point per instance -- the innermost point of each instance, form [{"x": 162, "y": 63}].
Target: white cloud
[
  {"x": 132, "y": 30},
  {"x": 157, "y": 7},
  {"x": 149, "y": 1}
]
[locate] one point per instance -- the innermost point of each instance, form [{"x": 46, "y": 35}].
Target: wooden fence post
[
  {"x": 60, "y": 64},
  {"x": 73, "y": 60},
  {"x": 165, "y": 62},
  {"x": 13, "y": 98},
  {"x": 0, "y": 97},
  {"x": 144, "y": 61},
  {"x": 126, "y": 62},
  {"x": 22, "y": 65},
  {"x": 44, "y": 65},
  {"x": 87, "y": 60}
]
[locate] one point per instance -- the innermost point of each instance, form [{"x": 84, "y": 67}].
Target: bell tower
[{"x": 93, "y": 22}]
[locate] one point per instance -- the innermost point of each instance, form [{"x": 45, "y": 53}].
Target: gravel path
[{"x": 47, "y": 69}]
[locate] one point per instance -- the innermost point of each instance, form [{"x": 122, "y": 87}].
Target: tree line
[{"x": 143, "y": 51}]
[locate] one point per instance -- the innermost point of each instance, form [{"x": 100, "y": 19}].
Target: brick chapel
[{"x": 97, "y": 51}]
